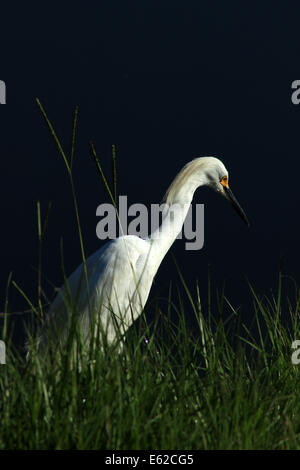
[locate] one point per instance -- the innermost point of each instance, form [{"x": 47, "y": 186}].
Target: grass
[
  {"x": 221, "y": 384},
  {"x": 213, "y": 388}
]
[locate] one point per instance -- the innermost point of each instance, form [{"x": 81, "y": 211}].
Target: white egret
[{"x": 120, "y": 274}]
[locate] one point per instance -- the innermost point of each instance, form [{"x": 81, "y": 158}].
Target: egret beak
[{"x": 231, "y": 198}]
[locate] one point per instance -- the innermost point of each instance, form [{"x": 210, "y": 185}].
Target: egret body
[{"x": 120, "y": 274}]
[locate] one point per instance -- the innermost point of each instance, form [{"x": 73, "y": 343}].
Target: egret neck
[{"x": 177, "y": 202}]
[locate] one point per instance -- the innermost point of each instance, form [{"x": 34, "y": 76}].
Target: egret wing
[{"x": 114, "y": 292}]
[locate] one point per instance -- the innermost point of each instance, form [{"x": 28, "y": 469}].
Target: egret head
[
  {"x": 202, "y": 171},
  {"x": 217, "y": 178}
]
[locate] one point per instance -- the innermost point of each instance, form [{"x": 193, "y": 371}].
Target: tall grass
[{"x": 223, "y": 384}]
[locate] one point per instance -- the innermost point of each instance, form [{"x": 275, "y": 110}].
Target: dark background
[{"x": 165, "y": 82}]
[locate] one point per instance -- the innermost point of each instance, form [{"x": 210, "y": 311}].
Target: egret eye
[{"x": 224, "y": 181}]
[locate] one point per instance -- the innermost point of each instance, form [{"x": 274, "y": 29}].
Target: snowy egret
[{"x": 114, "y": 288}]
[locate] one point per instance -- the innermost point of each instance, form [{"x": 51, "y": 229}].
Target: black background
[{"x": 165, "y": 82}]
